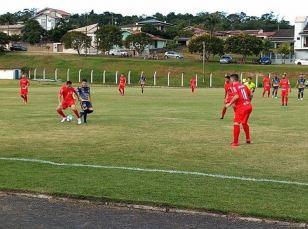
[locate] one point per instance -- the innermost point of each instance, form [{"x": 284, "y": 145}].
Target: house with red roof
[{"x": 49, "y": 17}]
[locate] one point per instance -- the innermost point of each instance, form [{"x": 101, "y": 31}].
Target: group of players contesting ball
[{"x": 237, "y": 94}]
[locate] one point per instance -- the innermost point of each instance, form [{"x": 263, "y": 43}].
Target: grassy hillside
[{"x": 190, "y": 66}]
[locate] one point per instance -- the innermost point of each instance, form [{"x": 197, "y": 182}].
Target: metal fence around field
[{"x": 168, "y": 79}]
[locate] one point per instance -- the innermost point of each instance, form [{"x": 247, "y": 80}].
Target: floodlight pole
[{"x": 203, "y": 44}]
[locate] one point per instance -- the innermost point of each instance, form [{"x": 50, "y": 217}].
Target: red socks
[
  {"x": 268, "y": 94},
  {"x": 192, "y": 89},
  {"x": 76, "y": 113},
  {"x": 287, "y": 100},
  {"x": 62, "y": 114},
  {"x": 236, "y": 133},
  {"x": 223, "y": 112},
  {"x": 282, "y": 100},
  {"x": 246, "y": 129}
]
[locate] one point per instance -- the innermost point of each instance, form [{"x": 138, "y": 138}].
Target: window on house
[{"x": 298, "y": 38}]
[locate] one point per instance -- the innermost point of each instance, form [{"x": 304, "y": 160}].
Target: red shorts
[
  {"x": 242, "y": 114},
  {"x": 24, "y": 91},
  {"x": 285, "y": 93},
  {"x": 267, "y": 88},
  {"x": 121, "y": 86},
  {"x": 67, "y": 103}
]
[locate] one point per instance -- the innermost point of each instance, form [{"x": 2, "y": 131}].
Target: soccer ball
[{"x": 69, "y": 118}]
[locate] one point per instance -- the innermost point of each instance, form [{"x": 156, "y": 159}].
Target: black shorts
[
  {"x": 301, "y": 89},
  {"x": 275, "y": 87},
  {"x": 142, "y": 85},
  {"x": 85, "y": 105}
]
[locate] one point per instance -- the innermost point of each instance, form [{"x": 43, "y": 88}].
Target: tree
[
  {"x": 107, "y": 36},
  {"x": 284, "y": 50},
  {"x": 172, "y": 45},
  {"x": 213, "y": 45},
  {"x": 267, "y": 46},
  {"x": 56, "y": 33},
  {"x": 171, "y": 33},
  {"x": 212, "y": 21},
  {"x": 151, "y": 29},
  {"x": 15, "y": 38},
  {"x": 138, "y": 42},
  {"x": 4, "y": 39},
  {"x": 32, "y": 32},
  {"x": 244, "y": 44},
  {"x": 76, "y": 40}
]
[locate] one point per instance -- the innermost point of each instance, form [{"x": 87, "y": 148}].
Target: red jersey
[
  {"x": 67, "y": 93},
  {"x": 24, "y": 83},
  {"x": 229, "y": 89},
  {"x": 284, "y": 84},
  {"x": 122, "y": 80},
  {"x": 266, "y": 82},
  {"x": 243, "y": 92},
  {"x": 193, "y": 82}
]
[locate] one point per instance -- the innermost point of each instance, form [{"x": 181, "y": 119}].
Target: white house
[
  {"x": 90, "y": 31},
  {"x": 301, "y": 37},
  {"x": 48, "y": 17}
]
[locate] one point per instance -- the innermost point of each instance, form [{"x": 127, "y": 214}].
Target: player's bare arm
[
  {"x": 236, "y": 97},
  {"x": 59, "y": 99},
  {"x": 79, "y": 99}
]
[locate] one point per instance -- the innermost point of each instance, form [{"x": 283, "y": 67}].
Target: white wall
[{"x": 7, "y": 74}]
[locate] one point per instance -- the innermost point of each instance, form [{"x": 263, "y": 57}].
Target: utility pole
[
  {"x": 86, "y": 43},
  {"x": 203, "y": 43}
]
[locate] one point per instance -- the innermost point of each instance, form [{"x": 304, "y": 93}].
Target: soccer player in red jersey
[
  {"x": 193, "y": 84},
  {"x": 67, "y": 92},
  {"x": 228, "y": 95},
  {"x": 122, "y": 84},
  {"x": 266, "y": 86},
  {"x": 241, "y": 99},
  {"x": 24, "y": 84},
  {"x": 285, "y": 86}
]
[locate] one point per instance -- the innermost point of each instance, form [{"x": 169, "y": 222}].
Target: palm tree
[{"x": 212, "y": 21}]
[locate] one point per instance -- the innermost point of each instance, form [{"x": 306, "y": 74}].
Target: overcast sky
[{"x": 289, "y": 10}]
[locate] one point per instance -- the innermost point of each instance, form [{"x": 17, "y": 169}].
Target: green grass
[
  {"x": 169, "y": 129},
  {"x": 190, "y": 66}
]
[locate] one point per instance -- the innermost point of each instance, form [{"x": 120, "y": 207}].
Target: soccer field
[{"x": 163, "y": 130}]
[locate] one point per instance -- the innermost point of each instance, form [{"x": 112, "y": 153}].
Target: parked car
[
  {"x": 172, "y": 54},
  {"x": 226, "y": 59},
  {"x": 18, "y": 48},
  {"x": 118, "y": 52},
  {"x": 301, "y": 61},
  {"x": 265, "y": 60}
]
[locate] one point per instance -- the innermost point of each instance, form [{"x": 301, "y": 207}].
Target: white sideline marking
[{"x": 156, "y": 171}]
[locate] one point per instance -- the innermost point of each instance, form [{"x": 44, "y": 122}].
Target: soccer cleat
[
  {"x": 282, "y": 104},
  {"x": 286, "y": 104},
  {"x": 275, "y": 97},
  {"x": 79, "y": 121},
  {"x": 301, "y": 98},
  {"x": 234, "y": 144},
  {"x": 248, "y": 140},
  {"x": 63, "y": 119},
  {"x": 221, "y": 118},
  {"x": 80, "y": 114}
]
